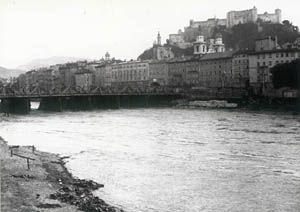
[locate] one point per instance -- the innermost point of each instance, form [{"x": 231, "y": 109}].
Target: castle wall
[
  {"x": 241, "y": 17},
  {"x": 267, "y": 17},
  {"x": 176, "y": 38}
]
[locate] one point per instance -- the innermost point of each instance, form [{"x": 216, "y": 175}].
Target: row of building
[{"x": 219, "y": 69}]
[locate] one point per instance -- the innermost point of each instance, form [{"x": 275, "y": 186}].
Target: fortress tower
[{"x": 278, "y": 14}]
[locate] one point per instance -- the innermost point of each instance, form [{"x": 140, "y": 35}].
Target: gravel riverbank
[{"x": 46, "y": 186}]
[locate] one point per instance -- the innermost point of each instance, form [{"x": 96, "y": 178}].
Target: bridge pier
[
  {"x": 53, "y": 104},
  {"x": 106, "y": 102},
  {"x": 15, "y": 106},
  {"x": 159, "y": 101}
]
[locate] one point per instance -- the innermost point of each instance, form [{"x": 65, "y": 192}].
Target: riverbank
[{"x": 46, "y": 186}]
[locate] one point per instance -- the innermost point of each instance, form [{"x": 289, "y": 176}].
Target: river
[{"x": 174, "y": 159}]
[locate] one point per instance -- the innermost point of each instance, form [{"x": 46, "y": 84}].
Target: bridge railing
[{"x": 7, "y": 92}]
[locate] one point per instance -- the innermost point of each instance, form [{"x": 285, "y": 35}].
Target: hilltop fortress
[
  {"x": 246, "y": 16},
  {"x": 182, "y": 39}
]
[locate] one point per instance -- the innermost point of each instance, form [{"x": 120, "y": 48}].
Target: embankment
[{"x": 45, "y": 186}]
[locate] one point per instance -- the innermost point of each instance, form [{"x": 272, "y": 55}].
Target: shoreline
[{"x": 46, "y": 186}]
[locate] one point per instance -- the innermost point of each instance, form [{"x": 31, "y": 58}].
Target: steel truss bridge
[
  {"x": 18, "y": 100},
  {"x": 39, "y": 92}
]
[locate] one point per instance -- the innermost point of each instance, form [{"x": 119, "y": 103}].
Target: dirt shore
[{"x": 46, "y": 186}]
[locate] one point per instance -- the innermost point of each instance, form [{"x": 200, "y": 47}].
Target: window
[
  {"x": 281, "y": 54},
  {"x": 270, "y": 55},
  {"x": 287, "y": 54},
  {"x": 270, "y": 63},
  {"x": 264, "y": 56},
  {"x": 264, "y": 63},
  {"x": 258, "y": 64},
  {"x": 277, "y": 54}
]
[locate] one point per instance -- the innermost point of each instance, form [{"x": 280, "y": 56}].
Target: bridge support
[
  {"x": 51, "y": 104},
  {"x": 58, "y": 104},
  {"x": 15, "y": 105},
  {"x": 106, "y": 102}
]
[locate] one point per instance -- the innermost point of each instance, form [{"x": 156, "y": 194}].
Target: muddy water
[{"x": 175, "y": 160}]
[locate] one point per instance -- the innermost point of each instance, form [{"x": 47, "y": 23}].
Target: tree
[
  {"x": 286, "y": 75},
  {"x": 286, "y": 22}
]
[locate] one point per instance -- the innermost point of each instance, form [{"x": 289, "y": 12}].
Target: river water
[{"x": 175, "y": 159}]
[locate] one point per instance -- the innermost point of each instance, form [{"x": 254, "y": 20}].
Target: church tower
[
  {"x": 219, "y": 45},
  {"x": 158, "y": 39},
  {"x": 200, "y": 47},
  {"x": 107, "y": 56}
]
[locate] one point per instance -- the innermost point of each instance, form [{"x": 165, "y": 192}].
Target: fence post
[{"x": 28, "y": 166}]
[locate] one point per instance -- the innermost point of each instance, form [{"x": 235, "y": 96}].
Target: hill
[
  {"x": 7, "y": 73},
  {"x": 45, "y": 62},
  {"x": 241, "y": 37},
  {"x": 178, "y": 52}
]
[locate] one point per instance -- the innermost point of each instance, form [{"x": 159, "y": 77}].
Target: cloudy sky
[{"x": 31, "y": 29}]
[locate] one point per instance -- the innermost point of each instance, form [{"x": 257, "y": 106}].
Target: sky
[{"x": 32, "y": 29}]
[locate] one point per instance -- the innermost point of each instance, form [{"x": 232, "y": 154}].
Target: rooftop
[{"x": 217, "y": 55}]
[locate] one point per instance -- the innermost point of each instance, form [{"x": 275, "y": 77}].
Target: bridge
[{"x": 15, "y": 100}]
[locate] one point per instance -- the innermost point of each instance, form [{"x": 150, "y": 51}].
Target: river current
[{"x": 174, "y": 159}]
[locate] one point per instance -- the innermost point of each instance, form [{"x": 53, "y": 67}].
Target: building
[
  {"x": 216, "y": 70},
  {"x": 207, "y": 28},
  {"x": 240, "y": 69},
  {"x": 204, "y": 28},
  {"x": 251, "y": 16},
  {"x": 161, "y": 52},
  {"x": 84, "y": 79},
  {"x": 103, "y": 75},
  {"x": 202, "y": 47},
  {"x": 271, "y": 17},
  {"x": 130, "y": 73},
  {"x": 176, "y": 39},
  {"x": 183, "y": 72},
  {"x": 263, "y": 59},
  {"x": 266, "y": 44},
  {"x": 158, "y": 73}
]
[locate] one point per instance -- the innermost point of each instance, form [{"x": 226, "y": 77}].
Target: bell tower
[{"x": 158, "y": 39}]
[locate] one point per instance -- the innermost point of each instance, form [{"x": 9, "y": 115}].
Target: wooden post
[
  {"x": 33, "y": 149},
  {"x": 28, "y": 166},
  {"x": 27, "y": 159},
  {"x": 11, "y": 152}
]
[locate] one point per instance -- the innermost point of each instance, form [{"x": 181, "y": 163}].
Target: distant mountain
[
  {"x": 45, "y": 62},
  {"x": 7, "y": 73}
]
